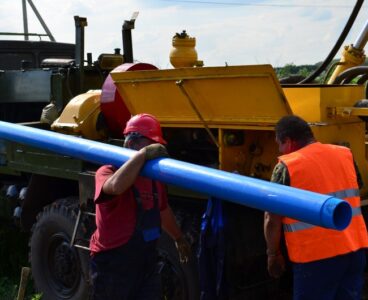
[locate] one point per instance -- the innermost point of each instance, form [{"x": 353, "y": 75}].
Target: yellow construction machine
[{"x": 219, "y": 117}]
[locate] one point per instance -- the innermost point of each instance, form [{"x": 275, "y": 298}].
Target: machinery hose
[
  {"x": 348, "y": 79},
  {"x": 362, "y": 79},
  {"x": 338, "y": 44},
  {"x": 349, "y": 74}
]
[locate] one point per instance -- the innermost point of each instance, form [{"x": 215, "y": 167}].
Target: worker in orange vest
[{"x": 327, "y": 264}]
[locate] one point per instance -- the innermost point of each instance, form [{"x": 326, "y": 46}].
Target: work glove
[
  {"x": 155, "y": 151},
  {"x": 184, "y": 249}
]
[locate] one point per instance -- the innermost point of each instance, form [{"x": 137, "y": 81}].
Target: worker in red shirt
[
  {"x": 327, "y": 264},
  {"x": 130, "y": 211}
]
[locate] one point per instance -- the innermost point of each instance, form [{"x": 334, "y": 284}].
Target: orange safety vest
[{"x": 325, "y": 169}]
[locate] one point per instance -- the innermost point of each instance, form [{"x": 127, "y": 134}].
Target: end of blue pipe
[{"x": 336, "y": 214}]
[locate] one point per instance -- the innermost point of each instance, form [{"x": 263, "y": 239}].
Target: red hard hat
[{"x": 146, "y": 125}]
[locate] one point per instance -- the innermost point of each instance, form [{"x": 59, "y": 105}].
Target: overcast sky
[{"x": 235, "y": 32}]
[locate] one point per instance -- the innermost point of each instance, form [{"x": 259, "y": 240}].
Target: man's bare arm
[
  {"x": 126, "y": 175},
  {"x": 272, "y": 233}
]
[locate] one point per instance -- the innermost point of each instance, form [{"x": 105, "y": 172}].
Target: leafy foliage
[
  {"x": 13, "y": 256},
  {"x": 8, "y": 290},
  {"x": 305, "y": 70},
  {"x": 292, "y": 69},
  {"x": 36, "y": 297},
  {"x": 13, "y": 250}
]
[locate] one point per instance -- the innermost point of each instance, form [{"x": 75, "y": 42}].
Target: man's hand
[
  {"x": 155, "y": 151},
  {"x": 184, "y": 249},
  {"x": 276, "y": 265}
]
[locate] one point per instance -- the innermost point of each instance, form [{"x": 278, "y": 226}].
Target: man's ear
[
  {"x": 128, "y": 143},
  {"x": 288, "y": 145},
  {"x": 293, "y": 145}
]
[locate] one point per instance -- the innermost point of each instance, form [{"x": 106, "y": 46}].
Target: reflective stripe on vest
[
  {"x": 302, "y": 226},
  {"x": 329, "y": 170},
  {"x": 345, "y": 193}
]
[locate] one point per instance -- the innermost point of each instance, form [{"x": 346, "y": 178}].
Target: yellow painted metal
[
  {"x": 108, "y": 61},
  {"x": 351, "y": 135},
  {"x": 351, "y": 57},
  {"x": 314, "y": 103},
  {"x": 80, "y": 116},
  {"x": 183, "y": 54},
  {"x": 347, "y": 112},
  {"x": 236, "y": 96},
  {"x": 246, "y": 100},
  {"x": 330, "y": 111},
  {"x": 255, "y": 157}
]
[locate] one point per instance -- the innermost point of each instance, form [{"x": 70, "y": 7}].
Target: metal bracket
[
  {"x": 180, "y": 84},
  {"x": 347, "y": 112}
]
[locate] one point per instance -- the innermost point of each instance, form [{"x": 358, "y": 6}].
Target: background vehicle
[{"x": 221, "y": 117}]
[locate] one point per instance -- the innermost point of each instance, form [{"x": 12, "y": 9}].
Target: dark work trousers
[
  {"x": 336, "y": 278},
  {"x": 126, "y": 273},
  {"x": 130, "y": 272}
]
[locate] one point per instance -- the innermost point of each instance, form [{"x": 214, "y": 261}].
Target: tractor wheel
[
  {"x": 59, "y": 270},
  {"x": 179, "y": 281}
]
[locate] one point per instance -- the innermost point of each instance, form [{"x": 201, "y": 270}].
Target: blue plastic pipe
[{"x": 313, "y": 208}]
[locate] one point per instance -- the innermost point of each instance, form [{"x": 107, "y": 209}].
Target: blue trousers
[{"x": 336, "y": 278}]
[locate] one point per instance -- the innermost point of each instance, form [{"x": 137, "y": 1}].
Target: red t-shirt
[{"x": 116, "y": 215}]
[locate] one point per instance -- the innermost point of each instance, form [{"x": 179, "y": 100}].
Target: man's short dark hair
[{"x": 294, "y": 128}]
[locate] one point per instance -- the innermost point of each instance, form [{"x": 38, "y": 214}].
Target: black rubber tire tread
[
  {"x": 58, "y": 218},
  {"x": 188, "y": 273}
]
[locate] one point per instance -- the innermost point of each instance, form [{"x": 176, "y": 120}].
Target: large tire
[
  {"x": 59, "y": 271},
  {"x": 179, "y": 281}
]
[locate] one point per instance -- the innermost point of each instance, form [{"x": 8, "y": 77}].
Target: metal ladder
[{"x": 76, "y": 226}]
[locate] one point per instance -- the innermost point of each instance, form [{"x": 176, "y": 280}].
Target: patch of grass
[
  {"x": 13, "y": 256},
  {"x": 36, "y": 297},
  {"x": 13, "y": 251},
  {"x": 9, "y": 290}
]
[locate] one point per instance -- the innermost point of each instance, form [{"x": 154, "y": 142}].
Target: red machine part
[{"x": 112, "y": 104}]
